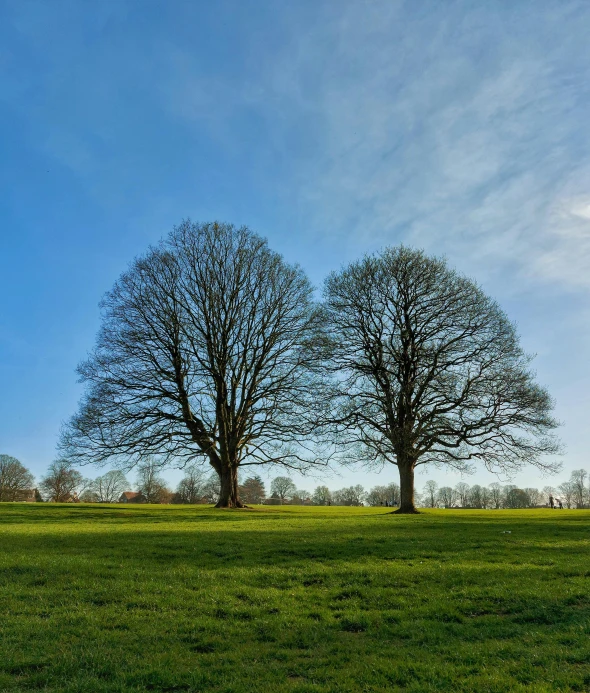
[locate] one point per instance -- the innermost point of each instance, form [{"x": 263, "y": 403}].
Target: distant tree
[
  {"x": 447, "y": 496},
  {"x": 89, "y": 496},
  {"x": 166, "y": 496},
  {"x": 14, "y": 478},
  {"x": 62, "y": 483},
  {"x": 393, "y": 494},
  {"x": 211, "y": 348},
  {"x": 381, "y": 495},
  {"x": 516, "y": 498},
  {"x": 282, "y": 487},
  {"x": 462, "y": 489},
  {"x": 429, "y": 494},
  {"x": 430, "y": 371},
  {"x": 150, "y": 484},
  {"x": 109, "y": 487},
  {"x": 496, "y": 495},
  {"x": 351, "y": 495},
  {"x": 548, "y": 491},
  {"x": 212, "y": 488},
  {"x": 567, "y": 493},
  {"x": 580, "y": 493},
  {"x": 535, "y": 496},
  {"x": 506, "y": 490},
  {"x": 376, "y": 496},
  {"x": 253, "y": 490},
  {"x": 476, "y": 497},
  {"x": 301, "y": 497},
  {"x": 191, "y": 488},
  {"x": 321, "y": 496}
]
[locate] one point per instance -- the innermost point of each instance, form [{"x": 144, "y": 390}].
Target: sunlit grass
[{"x": 112, "y": 598}]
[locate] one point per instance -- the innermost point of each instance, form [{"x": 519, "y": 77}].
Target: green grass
[{"x": 110, "y": 598}]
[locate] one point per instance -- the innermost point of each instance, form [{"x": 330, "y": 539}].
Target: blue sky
[{"x": 332, "y": 128}]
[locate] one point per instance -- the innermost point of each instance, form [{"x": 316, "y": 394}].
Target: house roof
[{"x": 130, "y": 494}]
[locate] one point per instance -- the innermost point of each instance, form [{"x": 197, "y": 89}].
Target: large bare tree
[
  {"x": 208, "y": 349},
  {"x": 431, "y": 371}
]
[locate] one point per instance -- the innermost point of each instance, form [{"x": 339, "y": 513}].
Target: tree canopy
[
  {"x": 430, "y": 370},
  {"x": 208, "y": 350}
]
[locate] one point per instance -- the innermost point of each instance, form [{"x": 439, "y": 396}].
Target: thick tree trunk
[
  {"x": 406, "y": 484},
  {"x": 229, "y": 496}
]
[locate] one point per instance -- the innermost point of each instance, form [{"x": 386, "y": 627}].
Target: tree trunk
[
  {"x": 229, "y": 496},
  {"x": 406, "y": 483}
]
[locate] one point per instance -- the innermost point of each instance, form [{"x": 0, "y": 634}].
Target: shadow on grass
[{"x": 193, "y": 535}]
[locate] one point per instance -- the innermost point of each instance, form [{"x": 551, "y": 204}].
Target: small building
[{"x": 132, "y": 497}]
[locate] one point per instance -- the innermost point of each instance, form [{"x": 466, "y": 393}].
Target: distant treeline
[{"x": 62, "y": 483}]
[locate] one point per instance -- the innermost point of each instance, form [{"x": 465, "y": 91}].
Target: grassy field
[{"x": 110, "y": 598}]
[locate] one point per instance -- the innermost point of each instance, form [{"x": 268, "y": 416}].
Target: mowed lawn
[{"x": 111, "y": 598}]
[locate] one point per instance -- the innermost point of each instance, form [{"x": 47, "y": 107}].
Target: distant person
[
  {"x": 551, "y": 502},
  {"x": 560, "y": 504}
]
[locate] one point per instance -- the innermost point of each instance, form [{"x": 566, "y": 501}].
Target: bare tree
[
  {"x": 430, "y": 494},
  {"x": 149, "y": 482},
  {"x": 208, "y": 350},
  {"x": 301, "y": 497},
  {"x": 535, "y": 496},
  {"x": 496, "y": 495},
  {"x": 322, "y": 496},
  {"x": 282, "y": 487},
  {"x": 212, "y": 488},
  {"x": 580, "y": 494},
  {"x": 548, "y": 491},
  {"x": 89, "y": 496},
  {"x": 567, "y": 493},
  {"x": 431, "y": 371},
  {"x": 393, "y": 494},
  {"x": 516, "y": 498},
  {"x": 191, "y": 488},
  {"x": 63, "y": 483},
  {"x": 109, "y": 487},
  {"x": 505, "y": 492},
  {"x": 462, "y": 489},
  {"x": 384, "y": 495},
  {"x": 447, "y": 496},
  {"x": 478, "y": 497},
  {"x": 14, "y": 478},
  {"x": 351, "y": 495}
]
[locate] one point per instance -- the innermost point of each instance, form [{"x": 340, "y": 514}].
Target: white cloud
[
  {"x": 565, "y": 254},
  {"x": 581, "y": 208}
]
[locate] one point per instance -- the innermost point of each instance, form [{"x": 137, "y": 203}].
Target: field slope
[{"x": 110, "y": 598}]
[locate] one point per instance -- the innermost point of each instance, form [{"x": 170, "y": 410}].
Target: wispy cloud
[
  {"x": 461, "y": 130},
  {"x": 457, "y": 127}
]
